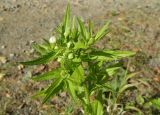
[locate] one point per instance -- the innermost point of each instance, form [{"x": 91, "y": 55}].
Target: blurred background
[{"x": 135, "y": 26}]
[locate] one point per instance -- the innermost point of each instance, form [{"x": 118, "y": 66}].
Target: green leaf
[
  {"x": 78, "y": 74},
  {"x": 119, "y": 54},
  {"x": 39, "y": 49},
  {"x": 72, "y": 87},
  {"x": 49, "y": 75},
  {"x": 140, "y": 99},
  {"x": 67, "y": 21},
  {"x": 102, "y": 32},
  {"x": 156, "y": 103},
  {"x": 135, "y": 109},
  {"x": 79, "y": 45},
  {"x": 39, "y": 94},
  {"x": 112, "y": 70},
  {"x": 110, "y": 55},
  {"x": 121, "y": 90},
  {"x": 82, "y": 29},
  {"x": 90, "y": 25},
  {"x": 131, "y": 75},
  {"x": 97, "y": 108},
  {"x": 75, "y": 80},
  {"x": 42, "y": 60},
  {"x": 74, "y": 33},
  {"x": 55, "y": 87}
]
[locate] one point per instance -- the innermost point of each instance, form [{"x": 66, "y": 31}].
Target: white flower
[{"x": 52, "y": 39}]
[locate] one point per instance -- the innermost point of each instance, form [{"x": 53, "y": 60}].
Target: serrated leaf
[
  {"x": 47, "y": 76},
  {"x": 42, "y": 60}
]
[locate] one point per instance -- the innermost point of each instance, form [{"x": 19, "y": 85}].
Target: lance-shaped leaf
[
  {"x": 42, "y": 60},
  {"x": 75, "y": 32},
  {"x": 39, "y": 49},
  {"x": 49, "y": 75},
  {"x": 55, "y": 87},
  {"x": 97, "y": 108},
  {"x": 110, "y": 55},
  {"x": 102, "y": 32},
  {"x": 90, "y": 28},
  {"x": 67, "y": 21},
  {"x": 124, "y": 88},
  {"x": 128, "y": 107},
  {"x": 72, "y": 88},
  {"x": 39, "y": 94},
  {"x": 112, "y": 70},
  {"x": 120, "y": 54},
  {"x": 82, "y": 29}
]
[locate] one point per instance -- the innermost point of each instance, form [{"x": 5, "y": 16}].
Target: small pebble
[
  {"x": 11, "y": 55},
  {"x": 20, "y": 67},
  {"x": 3, "y": 60},
  {"x": 3, "y": 46},
  {"x": 31, "y": 42}
]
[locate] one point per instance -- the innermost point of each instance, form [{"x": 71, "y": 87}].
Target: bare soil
[{"x": 135, "y": 26}]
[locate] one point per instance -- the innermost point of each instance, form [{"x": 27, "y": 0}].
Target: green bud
[
  {"x": 70, "y": 56},
  {"x": 59, "y": 59},
  {"x": 56, "y": 47},
  {"x": 70, "y": 45}
]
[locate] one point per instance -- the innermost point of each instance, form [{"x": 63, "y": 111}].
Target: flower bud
[
  {"x": 70, "y": 56},
  {"x": 59, "y": 59},
  {"x": 70, "y": 45},
  {"x": 52, "y": 39},
  {"x": 56, "y": 47}
]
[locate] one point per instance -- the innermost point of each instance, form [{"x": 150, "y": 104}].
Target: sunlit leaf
[
  {"x": 42, "y": 60},
  {"x": 97, "y": 108},
  {"x": 55, "y": 87},
  {"x": 112, "y": 70},
  {"x": 47, "y": 76},
  {"x": 102, "y": 32},
  {"x": 82, "y": 29},
  {"x": 156, "y": 103},
  {"x": 67, "y": 21}
]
